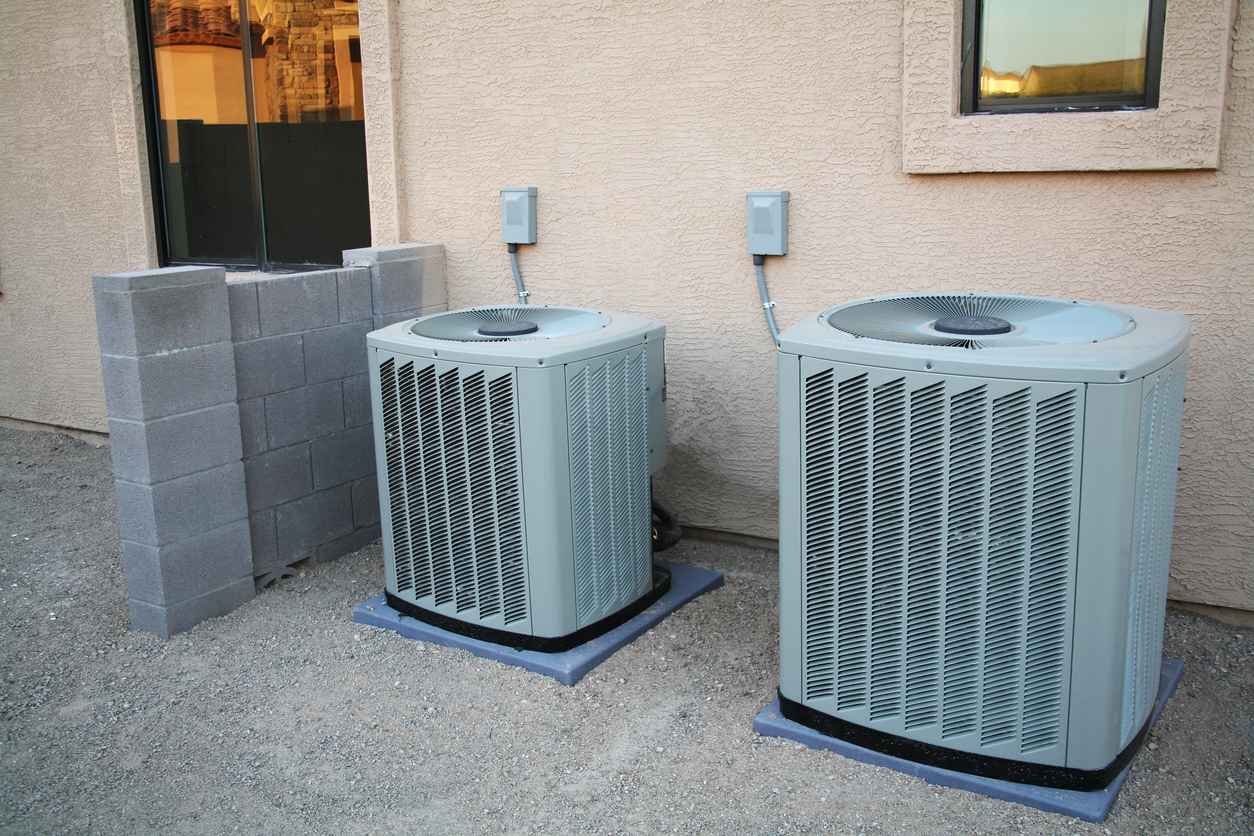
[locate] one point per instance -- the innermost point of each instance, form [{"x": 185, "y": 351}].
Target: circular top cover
[
  {"x": 973, "y": 325},
  {"x": 976, "y": 321},
  {"x": 509, "y": 323},
  {"x": 509, "y": 328}
]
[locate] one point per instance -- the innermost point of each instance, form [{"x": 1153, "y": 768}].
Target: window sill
[{"x": 1183, "y": 132}]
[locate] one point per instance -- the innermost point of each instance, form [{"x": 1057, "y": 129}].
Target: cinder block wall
[{"x": 239, "y": 409}]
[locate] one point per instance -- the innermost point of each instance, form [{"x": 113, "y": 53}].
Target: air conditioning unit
[
  {"x": 515, "y": 447},
  {"x": 976, "y": 499}
]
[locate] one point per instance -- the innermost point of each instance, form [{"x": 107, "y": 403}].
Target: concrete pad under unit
[
  {"x": 1091, "y": 806},
  {"x": 687, "y": 582}
]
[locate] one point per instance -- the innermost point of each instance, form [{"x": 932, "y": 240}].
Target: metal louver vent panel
[
  {"x": 967, "y": 519},
  {"x": 819, "y": 548},
  {"x": 1051, "y": 572},
  {"x": 453, "y": 501},
  {"x": 607, "y": 407},
  {"x": 939, "y": 519},
  {"x": 1158, "y": 460},
  {"x": 925, "y": 556},
  {"x": 851, "y": 541},
  {"x": 888, "y": 540}
]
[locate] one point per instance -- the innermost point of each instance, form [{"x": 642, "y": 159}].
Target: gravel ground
[{"x": 286, "y": 716}]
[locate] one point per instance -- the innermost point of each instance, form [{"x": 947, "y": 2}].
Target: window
[
  {"x": 1035, "y": 56},
  {"x": 256, "y": 130},
  {"x": 1179, "y": 124}
]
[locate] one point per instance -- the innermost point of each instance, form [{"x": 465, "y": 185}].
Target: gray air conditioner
[
  {"x": 976, "y": 499},
  {"x": 515, "y": 447}
]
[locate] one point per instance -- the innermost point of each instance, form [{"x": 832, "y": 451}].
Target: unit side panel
[
  {"x": 1158, "y": 460},
  {"x": 546, "y": 487},
  {"x": 447, "y": 438},
  {"x": 607, "y": 401},
  {"x": 388, "y": 478},
  {"x": 937, "y": 554},
  {"x": 1103, "y": 568},
  {"x": 790, "y": 485}
]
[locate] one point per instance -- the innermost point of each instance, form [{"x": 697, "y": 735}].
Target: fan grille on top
[
  {"x": 1033, "y": 321},
  {"x": 493, "y": 324}
]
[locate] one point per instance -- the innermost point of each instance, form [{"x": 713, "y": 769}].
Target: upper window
[
  {"x": 1034, "y": 56},
  {"x": 257, "y": 130}
]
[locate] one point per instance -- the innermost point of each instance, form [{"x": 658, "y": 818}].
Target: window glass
[
  {"x": 259, "y": 111},
  {"x": 203, "y": 129},
  {"x": 306, "y": 71},
  {"x": 1086, "y": 51}
]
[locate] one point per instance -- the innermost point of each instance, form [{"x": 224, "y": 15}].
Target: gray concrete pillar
[
  {"x": 406, "y": 280},
  {"x": 174, "y": 424}
]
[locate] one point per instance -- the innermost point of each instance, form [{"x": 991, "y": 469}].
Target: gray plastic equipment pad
[
  {"x": 568, "y": 667},
  {"x": 1091, "y": 806}
]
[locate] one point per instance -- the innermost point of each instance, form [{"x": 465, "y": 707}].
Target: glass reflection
[
  {"x": 1032, "y": 49},
  {"x": 307, "y": 92},
  {"x": 203, "y": 133}
]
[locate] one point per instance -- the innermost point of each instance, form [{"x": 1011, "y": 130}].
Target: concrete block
[
  {"x": 356, "y": 400},
  {"x": 383, "y": 320},
  {"x": 167, "y": 448},
  {"x": 245, "y": 318},
  {"x": 307, "y": 523},
  {"x": 365, "y": 501},
  {"x": 252, "y": 426},
  {"x": 403, "y": 276},
  {"x": 169, "y": 574},
  {"x": 298, "y": 302},
  {"x": 158, "y": 277},
  {"x": 305, "y": 413},
  {"x": 167, "y": 512},
  {"x": 268, "y": 365},
  {"x": 343, "y": 456},
  {"x": 391, "y": 252},
  {"x": 333, "y": 353},
  {"x": 412, "y": 283},
  {"x": 265, "y": 549},
  {"x": 277, "y": 476},
  {"x": 180, "y": 617},
  {"x": 161, "y": 319},
  {"x": 354, "y": 294},
  {"x": 157, "y": 385},
  {"x": 397, "y": 285},
  {"x": 358, "y": 539}
]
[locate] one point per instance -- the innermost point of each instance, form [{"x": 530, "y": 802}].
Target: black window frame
[
  {"x": 971, "y": 105},
  {"x": 152, "y": 120}
]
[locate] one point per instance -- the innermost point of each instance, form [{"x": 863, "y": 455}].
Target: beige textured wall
[
  {"x": 73, "y": 198},
  {"x": 643, "y": 124}
]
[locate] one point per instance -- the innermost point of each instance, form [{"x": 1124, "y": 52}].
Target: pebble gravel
[{"x": 284, "y": 716}]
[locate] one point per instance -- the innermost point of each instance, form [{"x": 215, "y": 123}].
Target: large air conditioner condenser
[
  {"x": 515, "y": 446},
  {"x": 976, "y": 500}
]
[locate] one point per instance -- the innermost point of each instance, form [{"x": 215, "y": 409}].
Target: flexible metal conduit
[
  {"x": 518, "y": 279},
  {"x": 768, "y": 307}
]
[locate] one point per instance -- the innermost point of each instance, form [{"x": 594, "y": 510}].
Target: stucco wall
[
  {"x": 644, "y": 124},
  {"x": 73, "y": 198}
]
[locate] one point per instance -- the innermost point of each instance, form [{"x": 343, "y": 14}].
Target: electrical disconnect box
[
  {"x": 518, "y": 215},
  {"x": 768, "y": 223}
]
